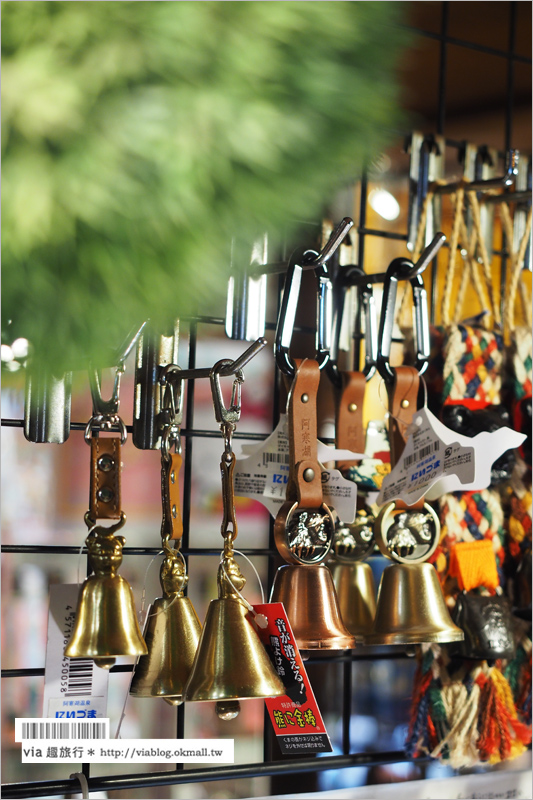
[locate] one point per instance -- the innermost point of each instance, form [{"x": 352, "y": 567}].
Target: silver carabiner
[
  {"x": 346, "y": 278},
  {"x": 287, "y": 314},
  {"x": 402, "y": 269},
  {"x": 232, "y": 413},
  {"x": 105, "y": 412},
  {"x": 171, "y": 408}
]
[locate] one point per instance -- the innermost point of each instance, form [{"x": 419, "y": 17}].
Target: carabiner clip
[
  {"x": 232, "y": 414},
  {"x": 304, "y": 260},
  {"x": 171, "y": 396},
  {"x": 366, "y": 307},
  {"x": 101, "y": 406},
  {"x": 287, "y": 313}
]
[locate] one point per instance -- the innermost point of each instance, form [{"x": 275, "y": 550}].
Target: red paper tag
[{"x": 295, "y": 716}]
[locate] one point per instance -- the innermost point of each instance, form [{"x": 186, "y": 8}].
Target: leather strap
[
  {"x": 172, "y": 523},
  {"x": 302, "y": 419},
  {"x": 349, "y": 431},
  {"x": 105, "y": 500},
  {"x": 403, "y": 398}
]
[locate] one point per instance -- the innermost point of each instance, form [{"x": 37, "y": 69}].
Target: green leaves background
[{"x": 139, "y": 137}]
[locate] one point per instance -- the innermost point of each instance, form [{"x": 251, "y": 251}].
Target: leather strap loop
[
  {"x": 403, "y": 397},
  {"x": 349, "y": 431},
  {"x": 172, "y": 523},
  {"x": 305, "y": 474},
  {"x": 105, "y": 500}
]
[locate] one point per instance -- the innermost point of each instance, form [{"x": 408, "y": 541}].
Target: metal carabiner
[
  {"x": 401, "y": 269},
  {"x": 232, "y": 413},
  {"x": 101, "y": 406},
  {"x": 171, "y": 405},
  {"x": 287, "y": 313},
  {"x": 366, "y": 308},
  {"x": 305, "y": 260}
]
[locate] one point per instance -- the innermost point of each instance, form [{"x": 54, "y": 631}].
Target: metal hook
[
  {"x": 231, "y": 414},
  {"x": 403, "y": 269},
  {"x": 343, "y": 281},
  {"x": 101, "y": 406},
  {"x": 505, "y": 182}
]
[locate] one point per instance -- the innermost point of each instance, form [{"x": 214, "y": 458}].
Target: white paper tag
[
  {"x": 437, "y": 460},
  {"x": 264, "y": 474},
  {"x": 74, "y": 688}
]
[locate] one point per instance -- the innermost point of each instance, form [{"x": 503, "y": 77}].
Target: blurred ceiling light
[
  {"x": 20, "y": 348},
  {"x": 13, "y": 366},
  {"x": 6, "y": 353},
  {"x": 384, "y": 204}
]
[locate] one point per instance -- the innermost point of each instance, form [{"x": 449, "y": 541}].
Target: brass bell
[
  {"x": 356, "y": 592},
  {"x": 231, "y": 662},
  {"x": 106, "y": 622},
  {"x": 172, "y": 633},
  {"x": 411, "y": 608},
  {"x": 310, "y": 600}
]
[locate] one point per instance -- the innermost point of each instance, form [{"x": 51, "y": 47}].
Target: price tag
[
  {"x": 264, "y": 474},
  {"x": 295, "y": 716},
  {"x": 74, "y": 688},
  {"x": 437, "y": 460}
]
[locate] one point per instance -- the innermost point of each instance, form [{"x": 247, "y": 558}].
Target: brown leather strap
[
  {"x": 105, "y": 500},
  {"x": 172, "y": 523},
  {"x": 302, "y": 420},
  {"x": 349, "y": 431},
  {"x": 403, "y": 396}
]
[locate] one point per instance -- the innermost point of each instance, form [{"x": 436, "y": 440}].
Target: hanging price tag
[
  {"x": 263, "y": 475},
  {"x": 437, "y": 460},
  {"x": 74, "y": 688},
  {"x": 295, "y": 716}
]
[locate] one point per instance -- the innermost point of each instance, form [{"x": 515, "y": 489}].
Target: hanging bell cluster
[{"x": 106, "y": 624}]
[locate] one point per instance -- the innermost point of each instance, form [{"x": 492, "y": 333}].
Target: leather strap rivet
[
  {"x": 105, "y": 495},
  {"x": 352, "y": 407},
  {"x": 405, "y": 404},
  {"x": 305, "y": 398},
  {"x": 308, "y": 475},
  {"x": 173, "y": 477},
  {"x": 105, "y": 463},
  {"x": 174, "y": 512}
]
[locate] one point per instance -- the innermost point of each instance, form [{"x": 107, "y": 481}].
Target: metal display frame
[{"x": 270, "y": 767}]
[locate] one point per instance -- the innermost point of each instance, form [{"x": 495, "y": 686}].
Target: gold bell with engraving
[
  {"x": 410, "y": 608},
  {"x": 231, "y": 663},
  {"x": 106, "y": 620},
  {"x": 171, "y": 633}
]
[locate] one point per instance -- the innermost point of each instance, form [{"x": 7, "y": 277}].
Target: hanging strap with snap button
[
  {"x": 105, "y": 486},
  {"x": 304, "y": 526}
]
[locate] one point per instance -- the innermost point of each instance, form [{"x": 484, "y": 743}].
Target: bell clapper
[{"x": 228, "y": 709}]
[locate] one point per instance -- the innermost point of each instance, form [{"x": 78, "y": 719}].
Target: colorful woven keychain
[
  {"x": 451, "y": 694},
  {"x": 517, "y": 497}
]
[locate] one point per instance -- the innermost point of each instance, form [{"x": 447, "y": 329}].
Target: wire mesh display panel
[{"x": 274, "y": 764}]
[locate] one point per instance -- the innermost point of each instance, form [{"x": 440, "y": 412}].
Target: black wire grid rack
[{"x": 271, "y": 765}]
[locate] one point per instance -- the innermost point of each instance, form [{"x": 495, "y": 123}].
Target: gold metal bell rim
[{"x": 411, "y": 608}]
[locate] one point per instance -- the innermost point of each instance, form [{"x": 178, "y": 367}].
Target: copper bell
[
  {"x": 411, "y": 608},
  {"x": 106, "y": 622},
  {"x": 310, "y": 600},
  {"x": 231, "y": 663},
  {"x": 172, "y": 633}
]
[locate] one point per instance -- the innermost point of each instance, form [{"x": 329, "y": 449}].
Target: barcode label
[
  {"x": 80, "y": 677},
  {"x": 47, "y": 729},
  {"x": 422, "y": 453},
  {"x": 275, "y": 458}
]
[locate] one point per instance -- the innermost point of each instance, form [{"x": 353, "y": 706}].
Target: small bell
[
  {"x": 172, "y": 633},
  {"x": 231, "y": 663},
  {"x": 106, "y": 622}
]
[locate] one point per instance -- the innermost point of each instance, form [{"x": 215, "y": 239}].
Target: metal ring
[
  {"x": 384, "y": 522},
  {"x": 106, "y": 422},
  {"x": 281, "y": 539}
]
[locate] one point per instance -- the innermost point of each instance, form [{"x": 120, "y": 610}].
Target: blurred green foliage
[{"x": 139, "y": 137}]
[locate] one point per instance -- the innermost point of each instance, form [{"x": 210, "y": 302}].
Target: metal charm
[
  {"x": 354, "y": 542},
  {"x": 309, "y": 533},
  {"x": 408, "y": 537}
]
